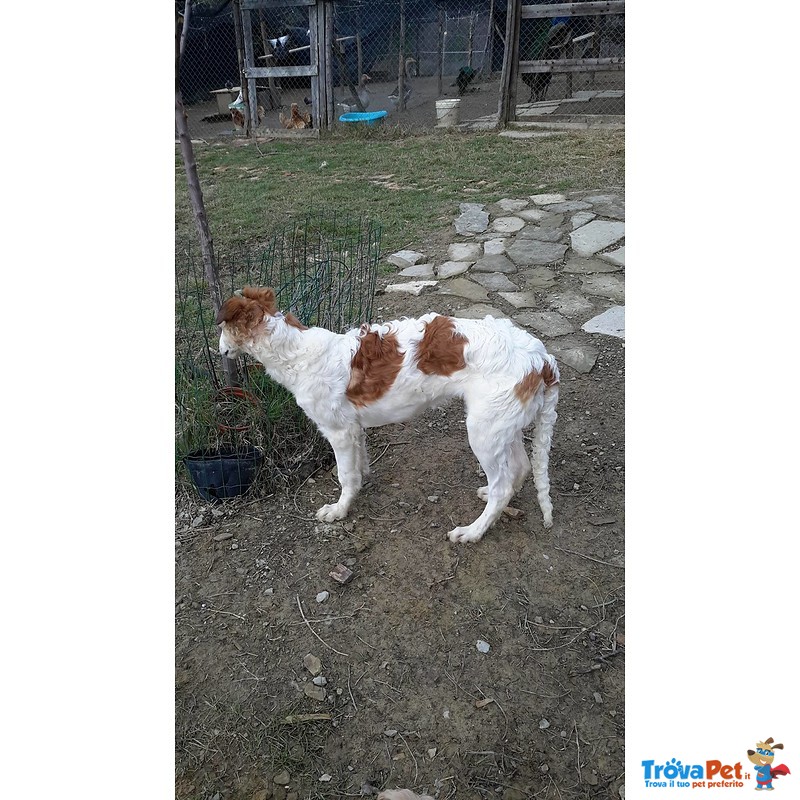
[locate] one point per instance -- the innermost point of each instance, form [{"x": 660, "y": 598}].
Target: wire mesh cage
[
  {"x": 401, "y": 57},
  {"x": 323, "y": 269}
]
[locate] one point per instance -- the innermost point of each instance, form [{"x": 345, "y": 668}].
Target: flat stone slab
[
  {"x": 569, "y": 205},
  {"x": 452, "y": 268},
  {"x": 614, "y": 256},
  {"x": 496, "y": 263},
  {"x": 548, "y": 323},
  {"x": 532, "y": 214},
  {"x": 609, "y": 286},
  {"x": 578, "y": 265},
  {"x": 602, "y": 199},
  {"x": 494, "y": 247},
  {"x": 481, "y": 310},
  {"x": 412, "y": 287},
  {"x": 510, "y": 134},
  {"x": 595, "y": 236},
  {"x": 494, "y": 282},
  {"x": 521, "y": 299},
  {"x": 404, "y": 258},
  {"x": 609, "y": 323},
  {"x": 508, "y": 224},
  {"x": 510, "y": 206},
  {"x": 614, "y": 212},
  {"x": 552, "y": 221},
  {"x": 541, "y": 234},
  {"x": 581, "y": 218},
  {"x": 473, "y": 219},
  {"x": 418, "y": 271},
  {"x": 547, "y": 199},
  {"x": 464, "y": 288},
  {"x": 580, "y": 357},
  {"x": 538, "y": 277},
  {"x": 569, "y": 303},
  {"x": 464, "y": 251},
  {"x": 532, "y": 252}
]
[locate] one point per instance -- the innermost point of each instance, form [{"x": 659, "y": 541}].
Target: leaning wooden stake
[{"x": 193, "y": 183}]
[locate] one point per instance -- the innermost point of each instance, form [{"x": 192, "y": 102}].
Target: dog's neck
[{"x": 285, "y": 350}]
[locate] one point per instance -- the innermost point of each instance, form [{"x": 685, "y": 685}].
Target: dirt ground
[
  {"x": 479, "y": 101},
  {"x": 409, "y": 700}
]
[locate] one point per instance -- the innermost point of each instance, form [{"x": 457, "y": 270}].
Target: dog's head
[
  {"x": 243, "y": 318},
  {"x": 764, "y": 752}
]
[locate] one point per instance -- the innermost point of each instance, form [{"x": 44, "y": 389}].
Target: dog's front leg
[{"x": 347, "y": 446}]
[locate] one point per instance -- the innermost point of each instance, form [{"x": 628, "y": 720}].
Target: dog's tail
[{"x": 543, "y": 436}]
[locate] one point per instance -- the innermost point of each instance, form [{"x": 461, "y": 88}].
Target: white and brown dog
[{"x": 379, "y": 374}]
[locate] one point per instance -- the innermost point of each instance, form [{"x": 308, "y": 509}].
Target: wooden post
[
  {"x": 243, "y": 33},
  {"x": 359, "y": 54},
  {"x": 274, "y": 94},
  {"x": 328, "y": 75},
  {"x": 471, "y": 37},
  {"x": 506, "y": 110},
  {"x": 488, "y": 50},
  {"x": 195, "y": 191},
  {"x": 442, "y": 14},
  {"x": 401, "y": 69}
]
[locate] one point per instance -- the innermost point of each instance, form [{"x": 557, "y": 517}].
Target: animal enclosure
[{"x": 506, "y": 62}]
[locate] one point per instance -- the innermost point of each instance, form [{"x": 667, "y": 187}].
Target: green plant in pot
[{"x": 216, "y": 431}]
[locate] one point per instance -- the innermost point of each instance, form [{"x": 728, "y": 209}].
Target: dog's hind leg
[
  {"x": 543, "y": 436},
  {"x": 493, "y": 448},
  {"x": 520, "y": 467},
  {"x": 350, "y": 451},
  {"x": 362, "y": 454}
]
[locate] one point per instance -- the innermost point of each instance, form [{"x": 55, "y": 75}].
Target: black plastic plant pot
[{"x": 219, "y": 474}]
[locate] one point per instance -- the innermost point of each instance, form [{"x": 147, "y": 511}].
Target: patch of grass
[{"x": 412, "y": 186}]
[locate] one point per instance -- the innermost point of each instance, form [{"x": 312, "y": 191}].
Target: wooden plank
[
  {"x": 317, "y": 114},
  {"x": 508, "y": 77},
  {"x": 327, "y": 75},
  {"x": 279, "y": 72},
  {"x": 573, "y": 65},
  {"x": 597, "y": 7},
  {"x": 252, "y": 4},
  {"x": 249, "y": 60}
]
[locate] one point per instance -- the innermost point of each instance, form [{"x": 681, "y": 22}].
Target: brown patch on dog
[
  {"x": 441, "y": 349},
  {"x": 264, "y": 297},
  {"x": 292, "y": 320},
  {"x": 374, "y": 367},
  {"x": 251, "y": 304},
  {"x": 549, "y": 375},
  {"x": 527, "y": 387}
]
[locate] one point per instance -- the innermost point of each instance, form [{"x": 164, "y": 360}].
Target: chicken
[
  {"x": 465, "y": 76},
  {"x": 546, "y": 41},
  {"x": 296, "y": 120}
]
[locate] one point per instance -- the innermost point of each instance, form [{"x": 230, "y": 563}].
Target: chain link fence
[{"x": 453, "y": 49}]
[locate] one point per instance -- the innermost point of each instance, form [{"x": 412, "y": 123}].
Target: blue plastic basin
[{"x": 364, "y": 117}]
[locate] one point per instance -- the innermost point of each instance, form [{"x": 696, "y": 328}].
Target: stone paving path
[{"x": 554, "y": 263}]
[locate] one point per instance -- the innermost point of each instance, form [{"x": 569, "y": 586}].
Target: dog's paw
[
  {"x": 483, "y": 493},
  {"x": 547, "y": 520},
  {"x": 464, "y": 535},
  {"x": 330, "y": 513}
]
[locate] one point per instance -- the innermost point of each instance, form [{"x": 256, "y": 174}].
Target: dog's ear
[{"x": 263, "y": 296}]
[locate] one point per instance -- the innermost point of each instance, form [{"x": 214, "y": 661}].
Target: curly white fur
[{"x": 316, "y": 365}]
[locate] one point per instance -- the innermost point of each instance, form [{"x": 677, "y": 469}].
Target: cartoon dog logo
[{"x": 762, "y": 757}]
